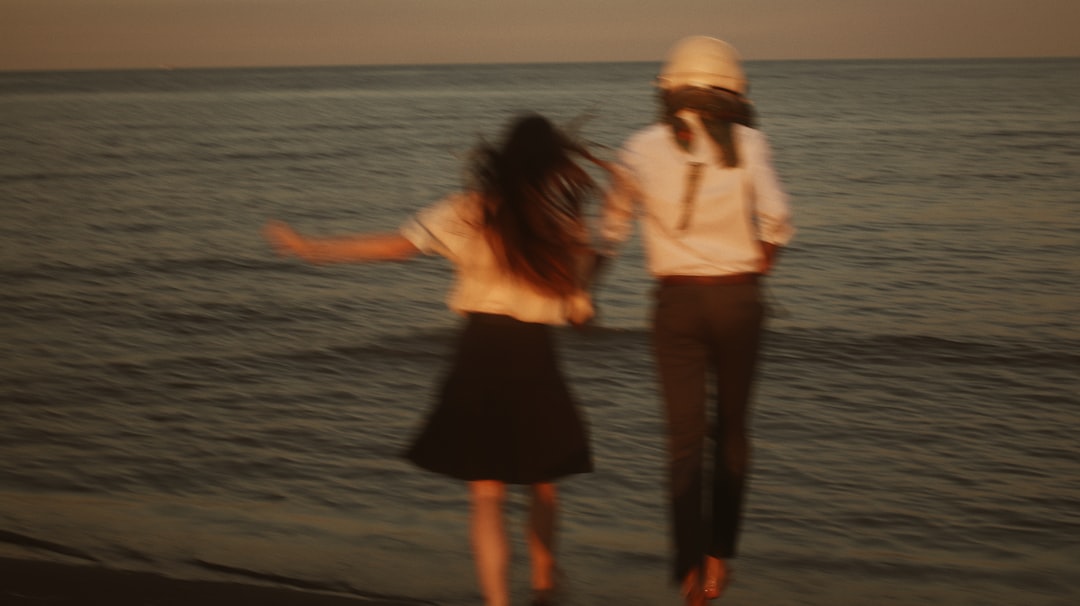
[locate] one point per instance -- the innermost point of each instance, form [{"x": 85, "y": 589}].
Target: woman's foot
[{"x": 716, "y": 577}]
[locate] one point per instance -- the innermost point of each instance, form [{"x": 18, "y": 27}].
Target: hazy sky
[{"x": 66, "y": 34}]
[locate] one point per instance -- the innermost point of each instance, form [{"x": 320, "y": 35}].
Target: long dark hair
[
  {"x": 719, "y": 108},
  {"x": 533, "y": 195}
]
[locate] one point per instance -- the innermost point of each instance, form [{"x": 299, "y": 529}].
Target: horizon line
[{"x": 180, "y": 67}]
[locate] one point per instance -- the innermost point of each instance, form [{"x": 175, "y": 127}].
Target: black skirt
[{"x": 504, "y": 412}]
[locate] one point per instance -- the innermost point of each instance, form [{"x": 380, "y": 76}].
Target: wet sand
[{"x": 42, "y": 583}]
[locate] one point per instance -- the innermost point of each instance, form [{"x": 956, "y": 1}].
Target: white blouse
[
  {"x": 710, "y": 224},
  {"x": 452, "y": 228}
]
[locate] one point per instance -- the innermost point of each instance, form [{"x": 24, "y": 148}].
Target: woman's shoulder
[
  {"x": 646, "y": 143},
  {"x": 753, "y": 143},
  {"x": 747, "y": 134},
  {"x": 457, "y": 205},
  {"x": 648, "y": 135},
  {"x": 466, "y": 202}
]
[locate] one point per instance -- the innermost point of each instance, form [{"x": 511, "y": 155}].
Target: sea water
[{"x": 174, "y": 398}]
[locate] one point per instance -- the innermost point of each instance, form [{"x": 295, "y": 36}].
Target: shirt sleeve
[
  {"x": 438, "y": 229},
  {"x": 772, "y": 208},
  {"x": 619, "y": 205}
]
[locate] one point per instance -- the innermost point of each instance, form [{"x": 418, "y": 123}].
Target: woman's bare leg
[
  {"x": 541, "y": 534},
  {"x": 490, "y": 547}
]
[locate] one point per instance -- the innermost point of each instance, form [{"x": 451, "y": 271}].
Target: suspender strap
[{"x": 693, "y": 180}]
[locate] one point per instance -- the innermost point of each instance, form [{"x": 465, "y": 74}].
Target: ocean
[{"x": 176, "y": 399}]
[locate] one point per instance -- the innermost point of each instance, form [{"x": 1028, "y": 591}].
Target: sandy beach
[{"x": 41, "y": 583}]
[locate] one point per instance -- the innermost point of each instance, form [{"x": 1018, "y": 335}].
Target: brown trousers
[{"x": 702, "y": 332}]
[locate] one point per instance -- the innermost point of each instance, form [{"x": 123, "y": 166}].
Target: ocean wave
[
  {"x": 836, "y": 346},
  {"x": 27, "y": 541}
]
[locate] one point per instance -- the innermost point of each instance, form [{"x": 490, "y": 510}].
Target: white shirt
[
  {"x": 717, "y": 232},
  {"x": 452, "y": 228}
]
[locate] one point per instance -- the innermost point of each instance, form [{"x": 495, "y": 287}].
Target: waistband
[{"x": 709, "y": 280}]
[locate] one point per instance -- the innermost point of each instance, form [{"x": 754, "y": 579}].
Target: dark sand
[{"x": 41, "y": 583}]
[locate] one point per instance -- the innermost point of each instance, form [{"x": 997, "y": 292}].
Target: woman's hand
[
  {"x": 770, "y": 253},
  {"x": 580, "y": 310},
  {"x": 285, "y": 240}
]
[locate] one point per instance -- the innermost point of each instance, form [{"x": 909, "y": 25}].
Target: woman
[
  {"x": 519, "y": 244},
  {"x": 714, "y": 217}
]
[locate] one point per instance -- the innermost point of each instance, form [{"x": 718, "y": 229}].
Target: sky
[{"x": 112, "y": 34}]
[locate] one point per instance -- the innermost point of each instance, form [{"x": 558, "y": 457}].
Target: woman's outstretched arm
[{"x": 344, "y": 249}]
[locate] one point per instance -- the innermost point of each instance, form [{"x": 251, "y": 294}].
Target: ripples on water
[{"x": 175, "y": 398}]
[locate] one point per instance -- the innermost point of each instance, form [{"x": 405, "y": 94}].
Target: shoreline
[{"x": 26, "y": 582}]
